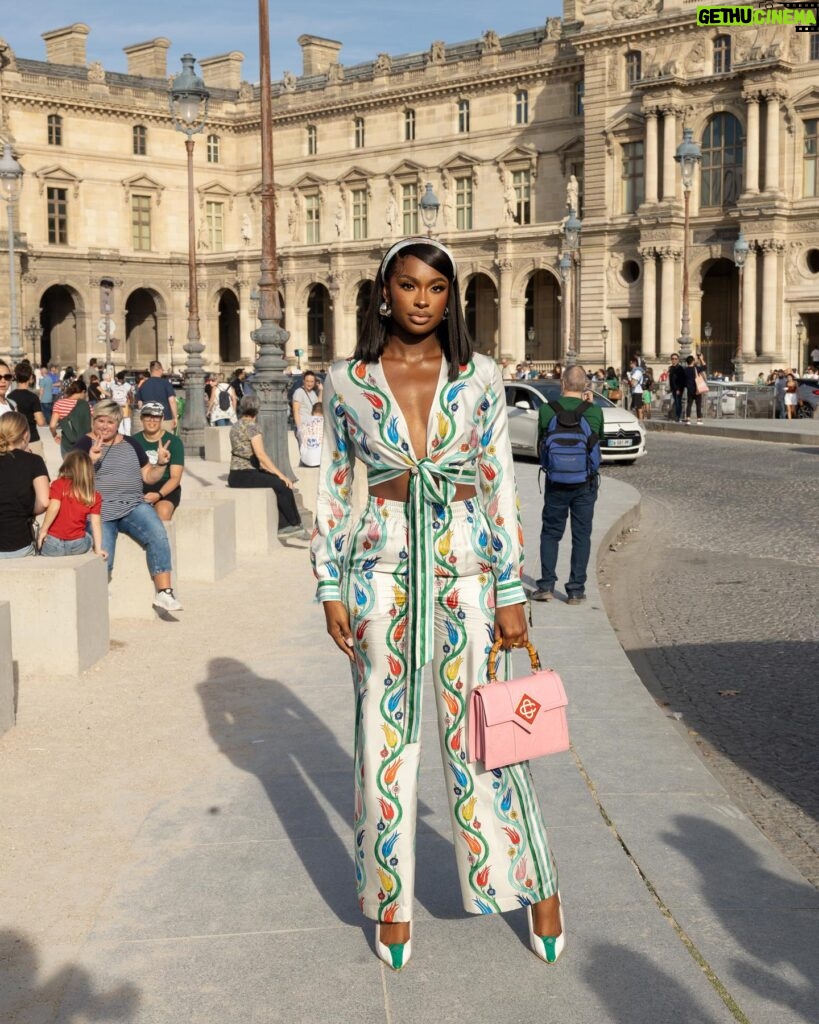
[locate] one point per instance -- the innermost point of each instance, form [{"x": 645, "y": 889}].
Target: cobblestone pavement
[{"x": 716, "y": 602}]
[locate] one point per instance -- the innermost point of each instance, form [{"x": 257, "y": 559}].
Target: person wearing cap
[
  {"x": 164, "y": 494},
  {"x": 430, "y": 573}
]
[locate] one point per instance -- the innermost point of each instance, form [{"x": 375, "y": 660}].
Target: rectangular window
[
  {"x": 141, "y": 223},
  {"x": 634, "y": 67},
  {"x": 312, "y": 140},
  {"x": 215, "y": 222},
  {"x": 633, "y": 176},
  {"x": 521, "y": 107},
  {"x": 213, "y": 149},
  {"x": 55, "y": 130},
  {"x": 312, "y": 220},
  {"x": 140, "y": 140},
  {"x": 409, "y": 208},
  {"x": 359, "y": 132},
  {"x": 57, "y": 207},
  {"x": 463, "y": 116},
  {"x": 814, "y": 46},
  {"x": 811, "y": 186},
  {"x": 463, "y": 204},
  {"x": 359, "y": 201},
  {"x": 579, "y": 98},
  {"x": 409, "y": 126},
  {"x": 522, "y": 184},
  {"x": 722, "y": 55}
]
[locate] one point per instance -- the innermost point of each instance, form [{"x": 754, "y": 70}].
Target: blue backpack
[{"x": 570, "y": 449}]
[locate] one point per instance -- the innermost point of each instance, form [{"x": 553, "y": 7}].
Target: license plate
[{"x": 620, "y": 442}]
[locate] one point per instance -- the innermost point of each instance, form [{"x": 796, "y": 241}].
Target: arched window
[
  {"x": 213, "y": 149},
  {"x": 140, "y": 140},
  {"x": 723, "y": 159},
  {"x": 634, "y": 67},
  {"x": 722, "y": 54}
]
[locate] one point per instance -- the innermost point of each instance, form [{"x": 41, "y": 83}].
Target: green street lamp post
[
  {"x": 429, "y": 205},
  {"x": 188, "y": 100},
  {"x": 572, "y": 227},
  {"x": 11, "y": 180}
]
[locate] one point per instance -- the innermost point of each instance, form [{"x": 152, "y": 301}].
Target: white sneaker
[{"x": 165, "y": 600}]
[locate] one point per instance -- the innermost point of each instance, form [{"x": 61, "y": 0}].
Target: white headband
[{"x": 417, "y": 241}]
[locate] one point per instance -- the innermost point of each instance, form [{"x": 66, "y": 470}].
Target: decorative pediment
[
  {"x": 255, "y": 194},
  {"x": 515, "y": 158},
  {"x": 407, "y": 169},
  {"x": 57, "y": 176},
  {"x": 807, "y": 100},
  {"x": 309, "y": 182},
  {"x": 215, "y": 191},
  {"x": 142, "y": 183},
  {"x": 355, "y": 178},
  {"x": 628, "y": 124}
]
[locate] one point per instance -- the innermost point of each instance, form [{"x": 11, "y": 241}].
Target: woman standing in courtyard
[{"x": 430, "y": 573}]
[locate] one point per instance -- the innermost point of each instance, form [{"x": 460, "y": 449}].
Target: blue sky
[{"x": 207, "y": 28}]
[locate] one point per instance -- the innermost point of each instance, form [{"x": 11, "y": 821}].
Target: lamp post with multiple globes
[
  {"x": 688, "y": 155},
  {"x": 741, "y": 248}
]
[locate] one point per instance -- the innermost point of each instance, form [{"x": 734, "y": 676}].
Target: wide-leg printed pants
[{"x": 501, "y": 849}]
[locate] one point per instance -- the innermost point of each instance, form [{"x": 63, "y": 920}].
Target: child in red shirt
[{"x": 73, "y": 502}]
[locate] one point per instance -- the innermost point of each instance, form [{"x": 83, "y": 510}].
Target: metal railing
[{"x": 723, "y": 400}]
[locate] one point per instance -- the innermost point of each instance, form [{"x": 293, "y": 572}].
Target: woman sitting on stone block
[{"x": 23, "y": 487}]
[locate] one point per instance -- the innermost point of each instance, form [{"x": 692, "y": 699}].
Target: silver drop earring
[
  {"x": 446, "y": 312},
  {"x": 385, "y": 309}
]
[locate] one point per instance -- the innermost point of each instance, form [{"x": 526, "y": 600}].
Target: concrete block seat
[
  {"x": 59, "y": 613},
  {"x": 205, "y": 538},
  {"x": 217, "y": 444},
  {"x": 6, "y": 670},
  {"x": 131, "y": 588},
  {"x": 257, "y": 520}
]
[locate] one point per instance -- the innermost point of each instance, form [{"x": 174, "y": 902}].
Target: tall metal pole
[
  {"x": 15, "y": 348},
  {"x": 192, "y": 430},
  {"x": 685, "y": 325},
  {"x": 738, "y": 365},
  {"x": 270, "y": 382}
]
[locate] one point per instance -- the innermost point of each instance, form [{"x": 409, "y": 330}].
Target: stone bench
[
  {"x": 59, "y": 613},
  {"x": 217, "y": 444},
  {"x": 257, "y": 520},
  {"x": 205, "y": 539},
  {"x": 7, "y": 702},
  {"x": 131, "y": 588}
]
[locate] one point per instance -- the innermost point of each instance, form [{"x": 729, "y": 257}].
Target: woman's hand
[
  {"x": 338, "y": 626},
  {"x": 96, "y": 448},
  {"x": 510, "y": 626}
]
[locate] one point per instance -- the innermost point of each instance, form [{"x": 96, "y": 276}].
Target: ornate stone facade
[{"x": 499, "y": 126}]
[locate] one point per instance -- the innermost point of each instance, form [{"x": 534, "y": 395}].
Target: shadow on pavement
[
  {"x": 787, "y": 977},
  {"x": 627, "y": 983},
  {"x": 67, "y": 995},
  {"x": 302, "y": 765}
]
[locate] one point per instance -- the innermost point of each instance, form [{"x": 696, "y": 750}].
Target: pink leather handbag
[{"x": 519, "y": 719}]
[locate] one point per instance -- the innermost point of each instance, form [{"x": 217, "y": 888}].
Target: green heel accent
[
  {"x": 550, "y": 947},
  {"x": 397, "y": 954}
]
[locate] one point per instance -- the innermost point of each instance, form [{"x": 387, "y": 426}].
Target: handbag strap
[{"x": 492, "y": 663}]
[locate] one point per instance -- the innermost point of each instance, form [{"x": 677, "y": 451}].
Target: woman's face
[
  {"x": 309, "y": 382},
  {"x": 418, "y": 295},
  {"x": 105, "y": 427},
  {"x": 5, "y": 380}
]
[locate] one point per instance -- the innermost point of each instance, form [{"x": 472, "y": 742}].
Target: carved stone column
[
  {"x": 771, "y": 251},
  {"x": 509, "y": 341},
  {"x": 772, "y": 122},
  {"x": 649, "y": 303},
  {"x": 295, "y": 320},
  {"x": 749, "y": 306},
  {"x": 651, "y": 156},
  {"x": 668, "y": 319},
  {"x": 669, "y": 149},
  {"x": 752, "y": 144}
]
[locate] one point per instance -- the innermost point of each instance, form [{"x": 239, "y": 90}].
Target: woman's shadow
[{"x": 302, "y": 766}]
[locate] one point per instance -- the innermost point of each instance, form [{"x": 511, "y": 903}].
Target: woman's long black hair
[{"x": 452, "y": 333}]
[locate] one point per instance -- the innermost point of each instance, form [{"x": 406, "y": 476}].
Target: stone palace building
[{"x": 588, "y": 107}]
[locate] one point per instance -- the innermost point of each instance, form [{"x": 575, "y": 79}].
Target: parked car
[{"x": 624, "y": 438}]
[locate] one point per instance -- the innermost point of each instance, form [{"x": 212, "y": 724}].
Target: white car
[{"x": 624, "y": 439}]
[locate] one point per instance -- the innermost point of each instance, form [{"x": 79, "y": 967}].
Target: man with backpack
[{"x": 569, "y": 433}]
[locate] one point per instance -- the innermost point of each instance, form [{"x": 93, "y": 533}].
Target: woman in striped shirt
[{"x": 121, "y": 467}]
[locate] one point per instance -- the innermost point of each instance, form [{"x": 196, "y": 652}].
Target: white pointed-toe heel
[
  {"x": 548, "y": 948},
  {"x": 396, "y": 956}
]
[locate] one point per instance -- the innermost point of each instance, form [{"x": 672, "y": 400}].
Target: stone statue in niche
[
  {"x": 392, "y": 214},
  {"x": 294, "y": 218},
  {"x": 383, "y": 64},
  {"x": 437, "y": 52},
  {"x": 340, "y": 219},
  {"x": 335, "y": 74},
  {"x": 289, "y": 81},
  {"x": 247, "y": 229},
  {"x": 490, "y": 42},
  {"x": 554, "y": 28},
  {"x": 510, "y": 205},
  {"x": 573, "y": 194}
]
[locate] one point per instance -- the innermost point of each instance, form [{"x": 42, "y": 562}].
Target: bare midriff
[{"x": 398, "y": 490}]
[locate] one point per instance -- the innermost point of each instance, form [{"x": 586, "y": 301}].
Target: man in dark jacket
[{"x": 676, "y": 385}]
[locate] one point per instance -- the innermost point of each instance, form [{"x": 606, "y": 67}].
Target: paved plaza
[{"x": 175, "y": 839}]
